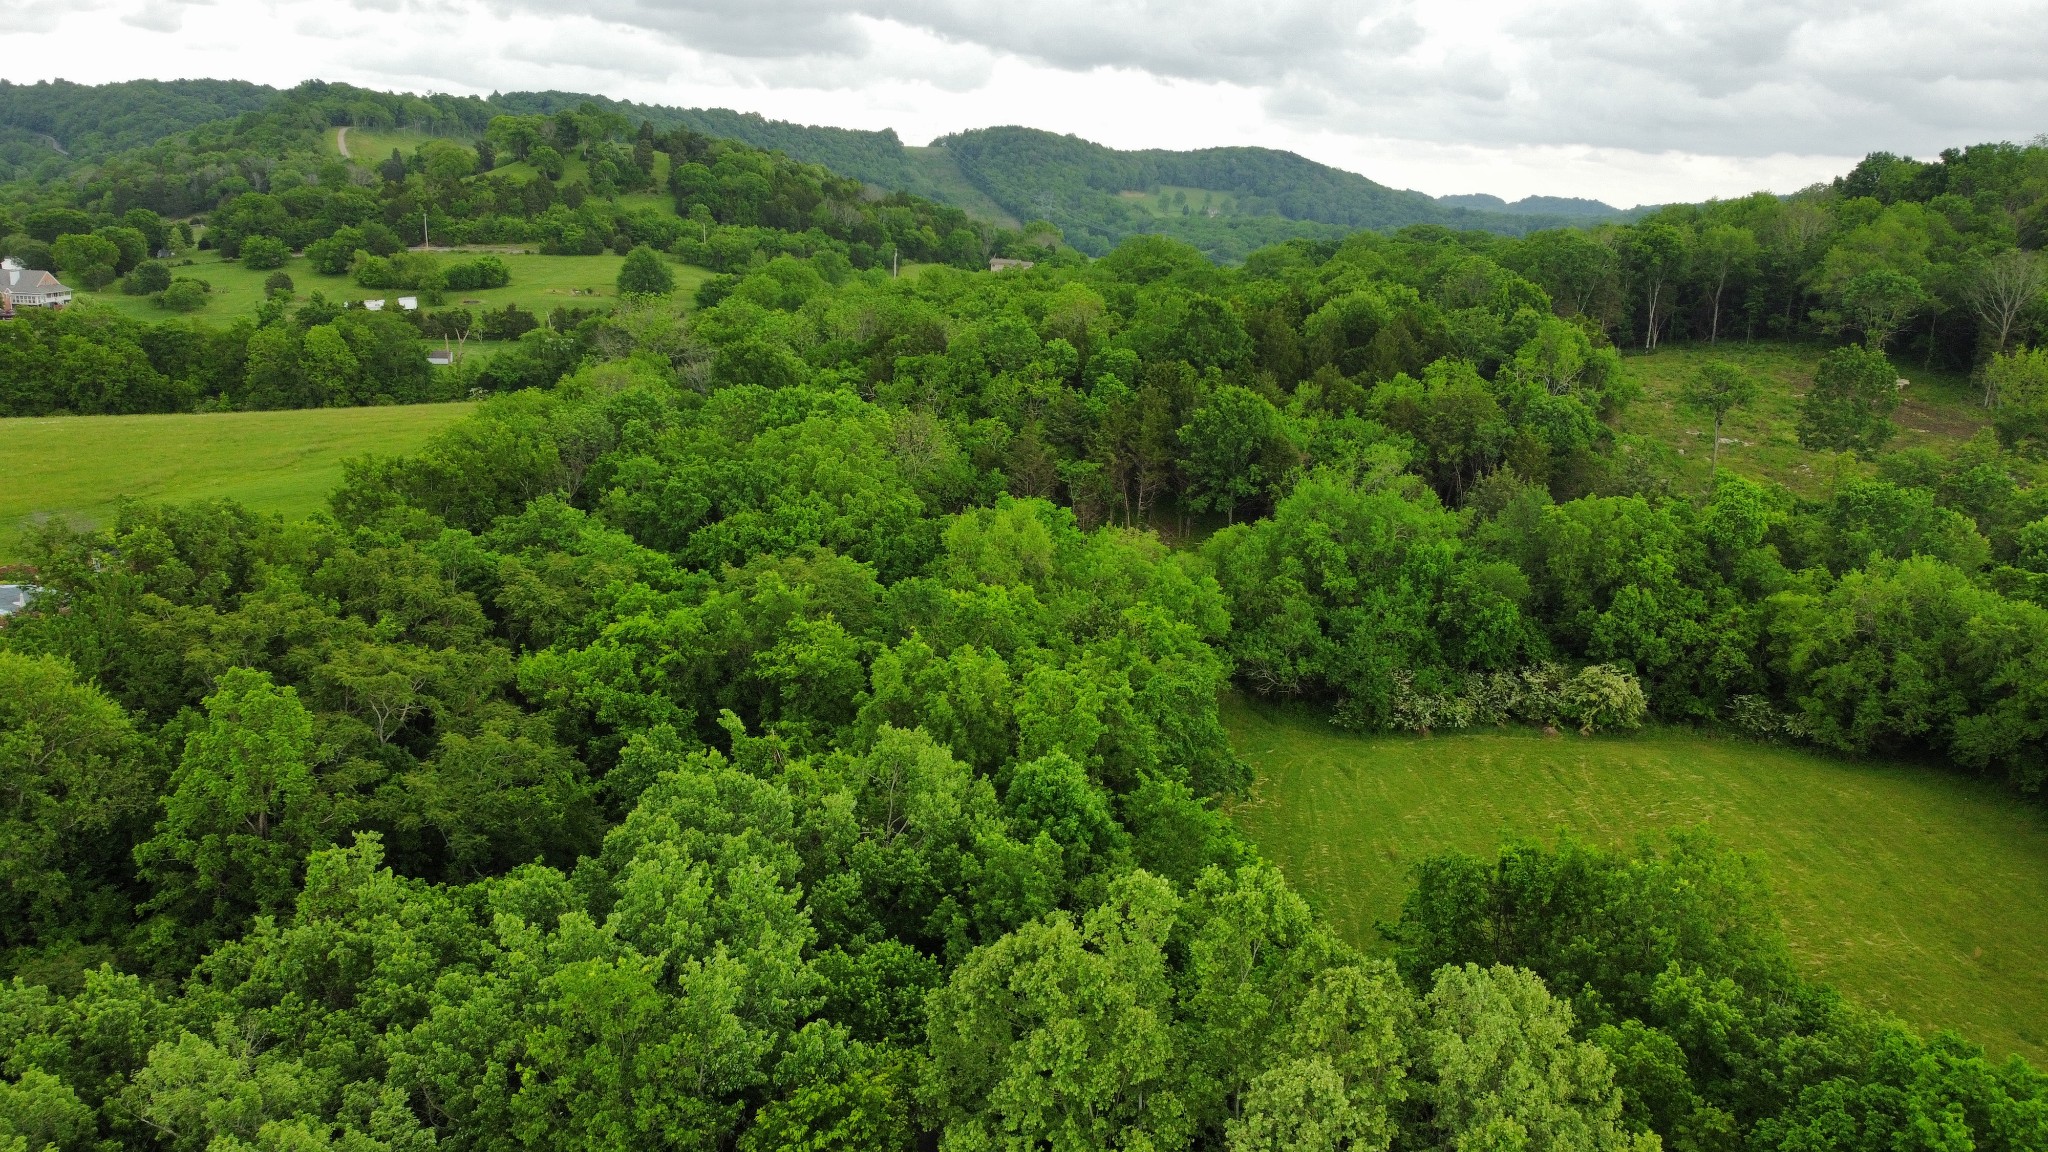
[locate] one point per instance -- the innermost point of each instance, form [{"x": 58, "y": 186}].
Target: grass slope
[
  {"x": 1912, "y": 891},
  {"x": 539, "y": 284},
  {"x": 1939, "y": 411},
  {"x": 934, "y": 173},
  {"x": 370, "y": 147},
  {"x": 78, "y": 467}
]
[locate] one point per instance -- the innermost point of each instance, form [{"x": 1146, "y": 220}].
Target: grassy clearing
[
  {"x": 237, "y": 291},
  {"x": 1939, "y": 411},
  {"x": 1911, "y": 890},
  {"x": 1199, "y": 201},
  {"x": 539, "y": 284},
  {"x": 370, "y": 147},
  {"x": 77, "y": 467},
  {"x": 942, "y": 176}
]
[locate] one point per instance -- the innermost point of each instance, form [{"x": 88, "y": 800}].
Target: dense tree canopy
[{"x": 789, "y": 718}]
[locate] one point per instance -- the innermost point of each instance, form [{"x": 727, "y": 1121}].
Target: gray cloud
[
  {"x": 766, "y": 30},
  {"x": 1730, "y": 77},
  {"x": 158, "y": 15}
]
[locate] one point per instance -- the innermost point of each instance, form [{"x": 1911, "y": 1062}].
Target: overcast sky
[{"x": 1622, "y": 100}]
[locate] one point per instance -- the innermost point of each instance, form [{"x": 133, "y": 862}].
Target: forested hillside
[
  {"x": 788, "y": 717},
  {"x": 1273, "y": 195},
  {"x": 797, "y": 726},
  {"x": 874, "y": 157},
  {"x": 51, "y": 127},
  {"x": 1002, "y": 175},
  {"x": 259, "y": 187},
  {"x": 1074, "y": 184}
]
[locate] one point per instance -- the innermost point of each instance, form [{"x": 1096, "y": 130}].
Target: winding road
[{"x": 341, "y": 142}]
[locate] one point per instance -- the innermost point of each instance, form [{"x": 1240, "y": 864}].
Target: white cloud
[
  {"x": 1610, "y": 98},
  {"x": 156, "y": 16}
]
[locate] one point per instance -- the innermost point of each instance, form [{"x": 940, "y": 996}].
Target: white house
[{"x": 32, "y": 287}]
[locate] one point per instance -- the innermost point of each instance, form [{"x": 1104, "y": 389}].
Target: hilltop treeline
[
  {"x": 489, "y": 177},
  {"x": 792, "y": 723},
  {"x": 1936, "y": 260},
  {"x": 1277, "y": 195},
  {"x": 53, "y": 126},
  {"x": 787, "y": 731},
  {"x": 89, "y": 361},
  {"x": 1440, "y": 508}
]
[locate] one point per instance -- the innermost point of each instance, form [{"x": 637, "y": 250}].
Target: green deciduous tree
[
  {"x": 1501, "y": 1068},
  {"x": 1724, "y": 253},
  {"x": 2016, "y": 388},
  {"x": 90, "y": 260},
  {"x": 1658, "y": 255},
  {"x": 1850, "y": 404},
  {"x": 1880, "y": 302},
  {"x": 646, "y": 273},
  {"x": 73, "y": 786},
  {"x": 264, "y": 252},
  {"x": 1715, "y": 390},
  {"x": 1060, "y": 1036},
  {"x": 243, "y": 810},
  {"x": 1237, "y": 450}
]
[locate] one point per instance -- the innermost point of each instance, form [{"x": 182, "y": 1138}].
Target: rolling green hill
[
  {"x": 1913, "y": 891},
  {"x": 75, "y": 468},
  {"x": 54, "y": 125},
  {"x": 1002, "y": 175},
  {"x": 1009, "y": 174}
]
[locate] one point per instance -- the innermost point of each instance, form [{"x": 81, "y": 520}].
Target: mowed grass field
[
  {"x": 78, "y": 467},
  {"x": 540, "y": 284},
  {"x": 1912, "y": 890},
  {"x": 1938, "y": 411}
]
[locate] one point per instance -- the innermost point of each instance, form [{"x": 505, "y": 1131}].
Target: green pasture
[
  {"x": 1222, "y": 203},
  {"x": 370, "y": 147},
  {"x": 1939, "y": 411},
  {"x": 77, "y": 467},
  {"x": 1913, "y": 890},
  {"x": 539, "y": 284}
]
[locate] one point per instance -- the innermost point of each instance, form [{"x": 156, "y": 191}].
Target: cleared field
[
  {"x": 1169, "y": 199},
  {"x": 78, "y": 467},
  {"x": 540, "y": 284},
  {"x": 1939, "y": 411},
  {"x": 1911, "y": 890},
  {"x": 372, "y": 146},
  {"x": 944, "y": 180}
]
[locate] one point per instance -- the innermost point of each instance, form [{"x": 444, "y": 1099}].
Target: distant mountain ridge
[
  {"x": 1010, "y": 174},
  {"x": 57, "y": 123},
  {"x": 1536, "y": 205},
  {"x": 1227, "y": 201}
]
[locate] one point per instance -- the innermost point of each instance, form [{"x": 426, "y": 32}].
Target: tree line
[
  {"x": 688, "y": 756},
  {"x": 792, "y": 723},
  {"x": 552, "y": 181}
]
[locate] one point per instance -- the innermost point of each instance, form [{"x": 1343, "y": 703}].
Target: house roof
[{"x": 29, "y": 280}]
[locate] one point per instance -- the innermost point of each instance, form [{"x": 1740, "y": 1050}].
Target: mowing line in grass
[{"x": 1913, "y": 890}]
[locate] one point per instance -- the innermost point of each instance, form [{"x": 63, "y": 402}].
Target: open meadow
[
  {"x": 78, "y": 467},
  {"x": 540, "y": 284},
  {"x": 1912, "y": 890},
  {"x": 1939, "y": 410}
]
